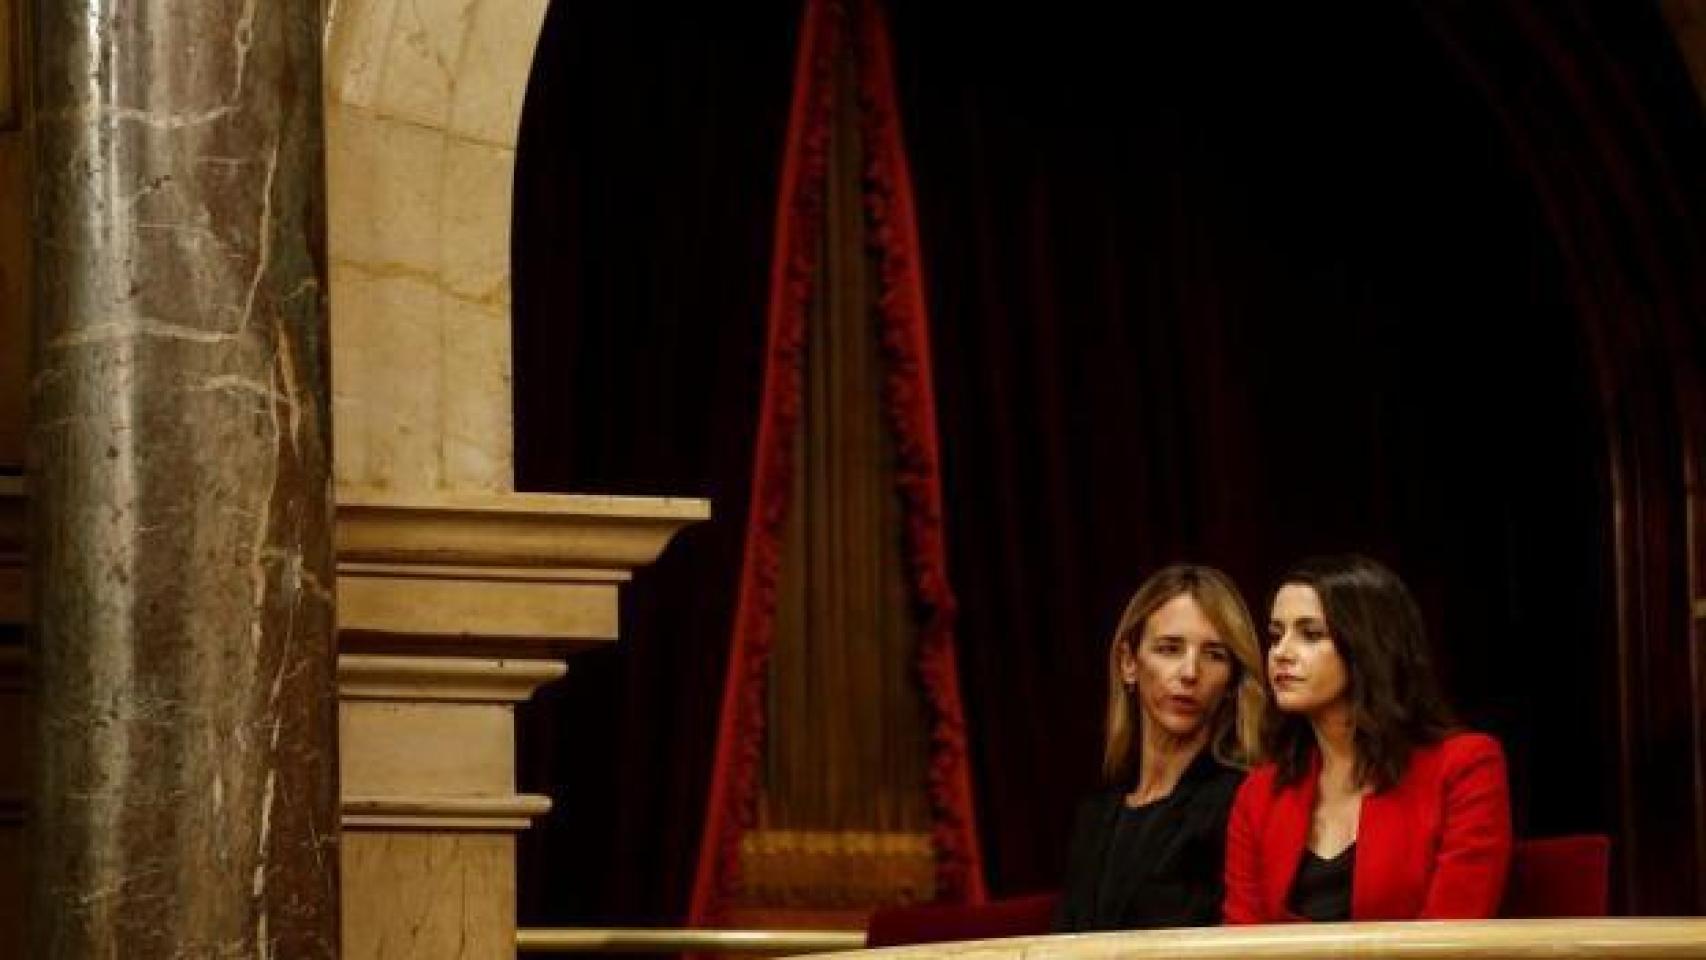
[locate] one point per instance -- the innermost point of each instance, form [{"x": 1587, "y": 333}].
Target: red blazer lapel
[
  {"x": 1393, "y": 851},
  {"x": 1288, "y": 834},
  {"x": 1369, "y": 879}
]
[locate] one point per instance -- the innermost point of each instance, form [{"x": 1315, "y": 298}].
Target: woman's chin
[{"x": 1178, "y": 728}]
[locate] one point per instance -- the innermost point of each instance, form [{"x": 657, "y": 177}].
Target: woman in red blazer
[{"x": 1371, "y": 806}]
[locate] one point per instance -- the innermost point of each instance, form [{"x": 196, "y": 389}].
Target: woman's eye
[
  {"x": 1167, "y": 647},
  {"x": 1217, "y": 654},
  {"x": 1315, "y": 636}
]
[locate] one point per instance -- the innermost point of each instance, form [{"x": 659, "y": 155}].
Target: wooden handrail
[
  {"x": 1603, "y": 939},
  {"x": 652, "y": 940},
  {"x": 1645, "y": 938}
]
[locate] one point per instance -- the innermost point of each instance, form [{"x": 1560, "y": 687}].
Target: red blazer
[{"x": 1434, "y": 846}]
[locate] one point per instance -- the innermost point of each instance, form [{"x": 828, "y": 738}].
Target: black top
[
  {"x": 1321, "y": 888},
  {"x": 1158, "y": 865},
  {"x": 1130, "y": 825}
]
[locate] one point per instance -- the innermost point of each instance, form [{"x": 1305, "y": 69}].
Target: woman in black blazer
[{"x": 1185, "y": 698}]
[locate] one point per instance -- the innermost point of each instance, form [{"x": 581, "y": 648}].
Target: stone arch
[{"x": 423, "y": 106}]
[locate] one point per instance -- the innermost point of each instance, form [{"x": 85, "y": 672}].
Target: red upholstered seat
[
  {"x": 1550, "y": 877},
  {"x": 1559, "y": 877},
  {"x": 932, "y": 923}
]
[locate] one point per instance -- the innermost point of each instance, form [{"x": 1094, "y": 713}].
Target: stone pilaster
[{"x": 453, "y": 609}]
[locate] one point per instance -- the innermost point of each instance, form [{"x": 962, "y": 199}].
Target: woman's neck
[
  {"x": 1335, "y": 737},
  {"x": 1164, "y": 760}
]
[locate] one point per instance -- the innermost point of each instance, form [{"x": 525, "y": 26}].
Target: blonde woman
[{"x": 1185, "y": 701}]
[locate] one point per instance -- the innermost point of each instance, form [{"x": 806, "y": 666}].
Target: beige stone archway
[
  {"x": 457, "y": 596},
  {"x": 423, "y": 107}
]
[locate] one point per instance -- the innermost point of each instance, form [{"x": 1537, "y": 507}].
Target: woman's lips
[{"x": 1185, "y": 704}]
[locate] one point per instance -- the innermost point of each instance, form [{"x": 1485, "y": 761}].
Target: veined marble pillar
[{"x": 186, "y": 799}]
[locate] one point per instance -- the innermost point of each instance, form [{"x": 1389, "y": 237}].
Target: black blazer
[{"x": 1171, "y": 872}]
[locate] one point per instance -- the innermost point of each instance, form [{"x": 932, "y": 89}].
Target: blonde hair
[{"x": 1235, "y": 728}]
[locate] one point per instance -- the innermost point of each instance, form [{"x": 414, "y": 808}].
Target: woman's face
[
  {"x": 1180, "y": 667},
  {"x": 1304, "y": 667}
]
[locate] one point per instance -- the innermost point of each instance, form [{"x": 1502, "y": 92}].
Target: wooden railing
[
  {"x": 636, "y": 940},
  {"x": 1655, "y": 938}
]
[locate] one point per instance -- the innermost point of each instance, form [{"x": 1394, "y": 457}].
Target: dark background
[{"x": 1235, "y": 285}]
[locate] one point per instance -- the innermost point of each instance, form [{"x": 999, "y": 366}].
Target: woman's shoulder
[
  {"x": 1261, "y": 780},
  {"x": 1459, "y": 754},
  {"x": 1260, "y": 793},
  {"x": 1211, "y": 784},
  {"x": 1095, "y": 804},
  {"x": 1462, "y": 747}
]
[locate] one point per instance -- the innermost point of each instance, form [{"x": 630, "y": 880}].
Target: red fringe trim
[
  {"x": 799, "y": 226},
  {"x": 910, "y": 401}
]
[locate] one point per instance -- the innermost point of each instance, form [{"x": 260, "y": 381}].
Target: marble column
[{"x": 186, "y": 797}]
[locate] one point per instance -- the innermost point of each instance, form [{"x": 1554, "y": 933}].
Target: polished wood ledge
[
  {"x": 1631, "y": 938},
  {"x": 774, "y": 943},
  {"x": 1661, "y": 938}
]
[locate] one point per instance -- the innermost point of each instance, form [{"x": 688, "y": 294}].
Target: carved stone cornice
[
  {"x": 461, "y": 814},
  {"x": 510, "y": 531},
  {"x": 443, "y": 679},
  {"x": 452, "y": 608},
  {"x": 528, "y": 573}
]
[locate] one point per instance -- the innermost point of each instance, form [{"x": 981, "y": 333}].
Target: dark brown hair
[{"x": 1396, "y": 704}]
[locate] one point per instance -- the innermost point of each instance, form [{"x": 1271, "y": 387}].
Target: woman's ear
[{"x": 1128, "y": 662}]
